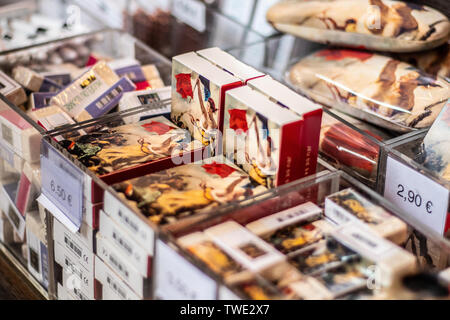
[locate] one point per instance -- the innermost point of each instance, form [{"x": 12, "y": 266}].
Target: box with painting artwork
[
  {"x": 259, "y": 136},
  {"x": 198, "y": 94}
]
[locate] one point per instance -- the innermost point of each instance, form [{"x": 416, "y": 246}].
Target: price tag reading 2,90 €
[
  {"x": 418, "y": 195},
  {"x": 62, "y": 183}
]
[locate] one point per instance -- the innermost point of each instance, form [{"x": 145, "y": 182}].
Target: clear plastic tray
[{"x": 314, "y": 189}]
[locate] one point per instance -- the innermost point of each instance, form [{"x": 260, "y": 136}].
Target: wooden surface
[{"x": 12, "y": 285}]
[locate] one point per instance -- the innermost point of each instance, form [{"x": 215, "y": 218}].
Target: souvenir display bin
[
  {"x": 176, "y": 266},
  {"x": 173, "y": 27},
  {"x": 348, "y": 143},
  {"x": 114, "y": 241},
  {"x": 30, "y": 22},
  {"x": 417, "y": 190},
  {"x": 112, "y": 43}
]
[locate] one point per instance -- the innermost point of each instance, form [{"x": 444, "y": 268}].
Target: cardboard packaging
[
  {"x": 39, "y": 100},
  {"x": 293, "y": 229},
  {"x": 245, "y": 247},
  {"x": 28, "y": 189},
  {"x": 198, "y": 96},
  {"x": 8, "y": 192},
  {"x": 114, "y": 236},
  {"x": 349, "y": 206},
  {"x": 185, "y": 193},
  {"x": 52, "y": 118},
  {"x": 230, "y": 64},
  {"x": 111, "y": 286},
  {"x": 37, "y": 258},
  {"x": 93, "y": 94},
  {"x": 132, "y": 150},
  {"x": 76, "y": 244},
  {"x": 140, "y": 98},
  {"x": 112, "y": 255},
  {"x": 12, "y": 90},
  {"x": 132, "y": 69},
  {"x": 259, "y": 137},
  {"x": 18, "y": 135},
  {"x": 33, "y": 81},
  {"x": 75, "y": 276},
  {"x": 310, "y": 112}
]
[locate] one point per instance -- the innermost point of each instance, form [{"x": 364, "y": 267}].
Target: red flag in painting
[
  {"x": 220, "y": 169},
  {"x": 238, "y": 120},
  {"x": 184, "y": 87},
  {"x": 337, "y": 55},
  {"x": 157, "y": 127}
]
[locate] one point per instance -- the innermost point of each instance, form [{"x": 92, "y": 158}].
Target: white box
[
  {"x": 113, "y": 288},
  {"x": 122, "y": 266},
  {"x": 70, "y": 265},
  {"x": 68, "y": 240},
  {"x": 7, "y": 205},
  {"x": 6, "y": 230},
  {"x": 135, "y": 225},
  {"x": 84, "y": 236},
  {"x": 137, "y": 256},
  {"x": 73, "y": 290},
  {"x": 37, "y": 258}
]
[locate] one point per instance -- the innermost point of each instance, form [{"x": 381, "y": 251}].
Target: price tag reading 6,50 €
[
  {"x": 416, "y": 194},
  {"x": 62, "y": 183}
]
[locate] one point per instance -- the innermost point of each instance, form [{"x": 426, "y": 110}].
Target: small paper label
[
  {"x": 285, "y": 218},
  {"x": 62, "y": 183},
  {"x": 418, "y": 195},
  {"x": 191, "y": 12},
  {"x": 178, "y": 279}
]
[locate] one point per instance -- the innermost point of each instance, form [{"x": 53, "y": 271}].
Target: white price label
[
  {"x": 420, "y": 196},
  {"x": 62, "y": 183},
  {"x": 177, "y": 279},
  {"x": 191, "y": 12}
]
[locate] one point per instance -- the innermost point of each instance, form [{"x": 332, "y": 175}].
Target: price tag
[
  {"x": 178, "y": 279},
  {"x": 62, "y": 184},
  {"x": 420, "y": 196},
  {"x": 191, "y": 12}
]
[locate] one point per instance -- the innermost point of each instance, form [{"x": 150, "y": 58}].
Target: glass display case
[{"x": 212, "y": 273}]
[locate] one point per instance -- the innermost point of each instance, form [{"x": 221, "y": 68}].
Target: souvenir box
[
  {"x": 286, "y": 204},
  {"x": 198, "y": 97},
  {"x": 259, "y": 136}
]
